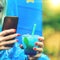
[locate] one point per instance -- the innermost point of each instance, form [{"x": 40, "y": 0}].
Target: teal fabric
[{"x": 16, "y": 53}]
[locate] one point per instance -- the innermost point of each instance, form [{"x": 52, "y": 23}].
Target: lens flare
[{"x": 55, "y": 3}]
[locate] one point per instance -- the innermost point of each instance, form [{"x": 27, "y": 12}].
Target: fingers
[
  {"x": 21, "y": 46},
  {"x": 41, "y": 39},
  {"x": 4, "y": 48},
  {"x": 5, "y": 32},
  {"x": 38, "y": 49},
  {"x": 9, "y": 37},
  {"x": 39, "y": 44},
  {"x": 7, "y": 42}
]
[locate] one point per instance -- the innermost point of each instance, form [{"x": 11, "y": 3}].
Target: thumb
[{"x": 21, "y": 46}]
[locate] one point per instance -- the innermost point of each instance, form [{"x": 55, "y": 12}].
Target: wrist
[{"x": 34, "y": 57}]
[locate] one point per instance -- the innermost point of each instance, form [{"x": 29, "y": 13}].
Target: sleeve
[
  {"x": 17, "y": 53},
  {"x": 2, "y": 54},
  {"x": 43, "y": 57},
  {"x": 14, "y": 53}
]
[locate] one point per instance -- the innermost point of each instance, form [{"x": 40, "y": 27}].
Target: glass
[{"x": 28, "y": 42}]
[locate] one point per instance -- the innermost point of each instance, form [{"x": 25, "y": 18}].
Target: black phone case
[{"x": 10, "y": 22}]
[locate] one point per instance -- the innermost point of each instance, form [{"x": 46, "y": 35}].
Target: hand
[
  {"x": 39, "y": 49},
  {"x": 4, "y": 40}
]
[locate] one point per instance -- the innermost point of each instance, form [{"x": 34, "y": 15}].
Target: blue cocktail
[{"x": 28, "y": 43}]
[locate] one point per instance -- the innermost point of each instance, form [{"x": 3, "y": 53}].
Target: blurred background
[{"x": 51, "y": 28}]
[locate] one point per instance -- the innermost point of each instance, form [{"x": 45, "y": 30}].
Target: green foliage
[
  {"x": 50, "y": 17},
  {"x": 47, "y": 52}
]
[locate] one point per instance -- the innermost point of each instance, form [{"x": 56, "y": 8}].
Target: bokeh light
[{"x": 55, "y": 3}]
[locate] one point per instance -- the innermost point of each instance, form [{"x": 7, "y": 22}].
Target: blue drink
[{"x": 28, "y": 43}]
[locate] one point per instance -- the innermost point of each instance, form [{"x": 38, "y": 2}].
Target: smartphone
[{"x": 10, "y": 22}]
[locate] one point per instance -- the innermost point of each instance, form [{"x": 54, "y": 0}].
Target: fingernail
[
  {"x": 41, "y": 38},
  {"x": 36, "y": 43},
  {"x": 34, "y": 49},
  {"x": 18, "y": 34},
  {"x": 14, "y": 30},
  {"x": 38, "y": 38}
]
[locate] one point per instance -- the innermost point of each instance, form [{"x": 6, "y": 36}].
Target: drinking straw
[{"x": 34, "y": 28}]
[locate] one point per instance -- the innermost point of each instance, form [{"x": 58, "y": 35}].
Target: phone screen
[{"x": 10, "y": 23}]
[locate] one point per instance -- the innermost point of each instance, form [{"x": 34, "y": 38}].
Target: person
[{"x": 17, "y": 52}]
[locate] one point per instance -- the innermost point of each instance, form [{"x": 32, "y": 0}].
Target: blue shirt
[{"x": 16, "y": 53}]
